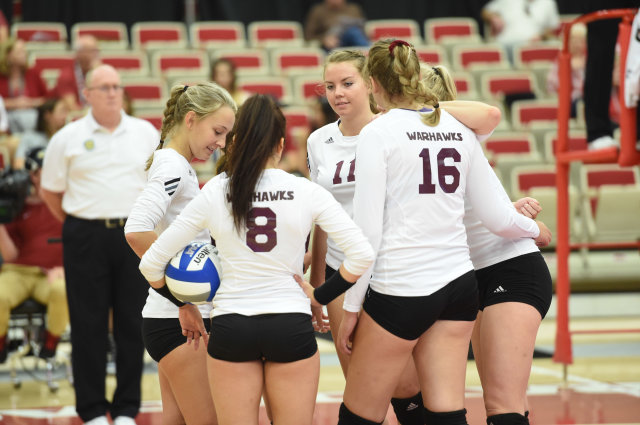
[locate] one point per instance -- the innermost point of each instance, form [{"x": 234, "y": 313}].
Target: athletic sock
[{"x": 409, "y": 411}]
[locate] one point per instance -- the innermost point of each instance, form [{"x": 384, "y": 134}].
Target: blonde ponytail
[{"x": 395, "y": 66}]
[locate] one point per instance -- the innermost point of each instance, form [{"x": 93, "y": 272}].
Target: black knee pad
[
  {"x": 347, "y": 417},
  {"x": 508, "y": 419},
  {"x": 457, "y": 417},
  {"x": 409, "y": 411}
]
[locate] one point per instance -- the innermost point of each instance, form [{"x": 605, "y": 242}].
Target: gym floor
[{"x": 602, "y": 386}]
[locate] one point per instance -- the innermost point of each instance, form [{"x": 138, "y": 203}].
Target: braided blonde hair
[
  {"x": 203, "y": 99},
  {"x": 395, "y": 66},
  {"x": 438, "y": 79}
]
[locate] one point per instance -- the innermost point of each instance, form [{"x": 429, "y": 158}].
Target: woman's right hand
[{"x": 192, "y": 325}]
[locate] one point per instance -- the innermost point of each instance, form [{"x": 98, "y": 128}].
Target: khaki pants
[{"x": 18, "y": 283}]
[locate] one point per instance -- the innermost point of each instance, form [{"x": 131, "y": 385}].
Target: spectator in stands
[
  {"x": 598, "y": 82},
  {"x": 336, "y": 23},
  {"x": 515, "y": 22},
  {"x": 223, "y": 72},
  {"x": 32, "y": 265},
  {"x": 71, "y": 80},
  {"x": 52, "y": 116},
  {"x": 578, "y": 50},
  {"x": 21, "y": 87}
]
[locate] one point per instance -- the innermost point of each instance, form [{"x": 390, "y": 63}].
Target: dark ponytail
[{"x": 259, "y": 127}]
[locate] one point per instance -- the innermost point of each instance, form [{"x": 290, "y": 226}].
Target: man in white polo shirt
[{"x": 93, "y": 172}]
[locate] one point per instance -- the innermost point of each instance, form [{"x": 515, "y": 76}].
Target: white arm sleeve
[
  {"x": 150, "y": 207},
  {"x": 334, "y": 220},
  {"x": 179, "y": 234},
  {"x": 499, "y": 217},
  {"x": 368, "y": 208}
]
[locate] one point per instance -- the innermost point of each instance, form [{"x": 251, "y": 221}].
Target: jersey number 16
[{"x": 427, "y": 186}]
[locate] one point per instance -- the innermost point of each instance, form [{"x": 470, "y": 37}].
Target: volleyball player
[
  {"x": 414, "y": 169},
  {"x": 515, "y": 295},
  {"x": 260, "y": 216},
  {"x": 331, "y": 154},
  {"x": 195, "y": 124}
]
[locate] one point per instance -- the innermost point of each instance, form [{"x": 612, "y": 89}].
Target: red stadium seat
[
  {"x": 301, "y": 60},
  {"x": 110, "y": 35},
  {"x": 128, "y": 63},
  {"x": 404, "y": 29},
  {"x": 275, "y": 33},
  {"x": 577, "y": 142},
  {"x": 278, "y": 87},
  {"x": 432, "y": 55},
  {"x": 613, "y": 193},
  {"x": 539, "y": 182},
  {"x": 297, "y": 120},
  {"x": 465, "y": 85},
  {"x": 500, "y": 83},
  {"x": 146, "y": 92},
  {"x": 247, "y": 61},
  {"x": 39, "y": 31},
  {"x": 158, "y": 35},
  {"x": 507, "y": 149},
  {"x": 153, "y": 115},
  {"x": 308, "y": 87},
  {"x": 525, "y": 113},
  {"x": 194, "y": 62},
  {"x": 530, "y": 55},
  {"x": 447, "y": 30},
  {"x": 485, "y": 56},
  {"x": 43, "y": 60},
  {"x": 217, "y": 34}
]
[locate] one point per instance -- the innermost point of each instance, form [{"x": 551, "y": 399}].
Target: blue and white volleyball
[{"x": 193, "y": 274}]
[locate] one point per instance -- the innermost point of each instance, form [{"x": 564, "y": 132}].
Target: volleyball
[{"x": 193, "y": 274}]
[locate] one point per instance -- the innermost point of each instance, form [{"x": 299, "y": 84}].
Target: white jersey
[
  {"x": 485, "y": 247},
  {"x": 259, "y": 262},
  {"x": 409, "y": 201},
  {"x": 171, "y": 184},
  {"x": 332, "y": 159}
]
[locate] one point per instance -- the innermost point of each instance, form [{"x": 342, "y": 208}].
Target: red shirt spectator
[{"x": 31, "y": 233}]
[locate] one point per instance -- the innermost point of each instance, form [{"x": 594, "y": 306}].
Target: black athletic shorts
[
  {"x": 161, "y": 336},
  {"x": 410, "y": 317},
  {"x": 523, "y": 279},
  {"x": 282, "y": 337}
]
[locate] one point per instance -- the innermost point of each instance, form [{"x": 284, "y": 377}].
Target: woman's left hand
[{"x": 347, "y": 332}]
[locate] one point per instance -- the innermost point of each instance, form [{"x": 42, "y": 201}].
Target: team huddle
[{"x": 416, "y": 250}]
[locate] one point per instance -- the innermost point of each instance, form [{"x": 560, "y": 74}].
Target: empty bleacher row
[{"x": 272, "y": 57}]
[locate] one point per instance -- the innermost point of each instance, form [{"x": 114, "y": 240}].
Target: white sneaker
[
  {"x": 124, "y": 420},
  {"x": 603, "y": 143},
  {"x": 100, "y": 420}
]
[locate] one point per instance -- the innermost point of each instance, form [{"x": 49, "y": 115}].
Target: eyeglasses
[{"x": 106, "y": 88}]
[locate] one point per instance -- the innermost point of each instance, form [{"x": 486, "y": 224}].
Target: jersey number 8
[{"x": 267, "y": 230}]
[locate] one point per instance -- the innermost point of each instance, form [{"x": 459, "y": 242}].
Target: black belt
[{"x": 109, "y": 223}]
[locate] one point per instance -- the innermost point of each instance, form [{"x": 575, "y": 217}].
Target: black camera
[{"x": 14, "y": 189}]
